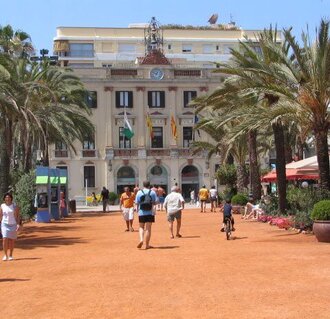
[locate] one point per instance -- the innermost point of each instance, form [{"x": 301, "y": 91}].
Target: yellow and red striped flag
[
  {"x": 174, "y": 128},
  {"x": 149, "y": 125}
]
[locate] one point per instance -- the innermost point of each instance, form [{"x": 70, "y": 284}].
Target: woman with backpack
[{"x": 145, "y": 201}]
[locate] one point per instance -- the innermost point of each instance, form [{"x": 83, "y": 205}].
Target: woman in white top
[{"x": 9, "y": 215}]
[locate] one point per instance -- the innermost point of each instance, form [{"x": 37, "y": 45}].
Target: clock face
[{"x": 156, "y": 74}]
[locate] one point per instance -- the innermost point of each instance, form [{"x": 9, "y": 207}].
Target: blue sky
[{"x": 40, "y": 18}]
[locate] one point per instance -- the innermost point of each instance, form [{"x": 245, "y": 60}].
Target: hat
[{"x": 174, "y": 188}]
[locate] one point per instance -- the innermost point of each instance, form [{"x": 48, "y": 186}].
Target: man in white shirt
[{"x": 174, "y": 203}]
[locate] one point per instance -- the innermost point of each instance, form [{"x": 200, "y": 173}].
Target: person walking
[
  {"x": 174, "y": 204},
  {"x": 192, "y": 197},
  {"x": 203, "y": 195},
  {"x": 105, "y": 198},
  {"x": 145, "y": 201},
  {"x": 10, "y": 223},
  {"x": 161, "y": 197},
  {"x": 213, "y": 198},
  {"x": 126, "y": 205}
]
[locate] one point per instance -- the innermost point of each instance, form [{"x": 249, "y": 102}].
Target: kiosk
[
  {"x": 42, "y": 201},
  {"x": 55, "y": 188},
  {"x": 64, "y": 191}
]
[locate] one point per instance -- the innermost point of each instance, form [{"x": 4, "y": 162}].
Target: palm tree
[
  {"x": 252, "y": 74},
  {"x": 224, "y": 146},
  {"x": 39, "y": 104},
  {"x": 17, "y": 43},
  {"x": 312, "y": 88}
]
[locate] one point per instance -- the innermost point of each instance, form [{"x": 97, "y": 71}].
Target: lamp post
[{"x": 44, "y": 56}]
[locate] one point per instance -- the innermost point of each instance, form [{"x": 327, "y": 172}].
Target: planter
[{"x": 321, "y": 229}]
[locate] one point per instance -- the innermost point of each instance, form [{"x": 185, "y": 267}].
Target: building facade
[{"x": 150, "y": 74}]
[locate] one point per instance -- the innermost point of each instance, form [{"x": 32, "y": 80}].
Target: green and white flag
[{"x": 128, "y": 132}]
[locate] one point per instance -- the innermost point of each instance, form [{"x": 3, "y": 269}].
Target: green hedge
[
  {"x": 239, "y": 199},
  {"x": 321, "y": 210}
]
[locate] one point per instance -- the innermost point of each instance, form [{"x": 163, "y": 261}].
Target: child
[{"x": 227, "y": 208}]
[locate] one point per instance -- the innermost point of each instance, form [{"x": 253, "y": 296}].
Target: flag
[
  {"x": 173, "y": 128},
  {"x": 195, "y": 122},
  {"x": 149, "y": 125},
  {"x": 128, "y": 132}
]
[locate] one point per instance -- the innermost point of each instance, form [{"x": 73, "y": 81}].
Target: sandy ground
[{"x": 86, "y": 266}]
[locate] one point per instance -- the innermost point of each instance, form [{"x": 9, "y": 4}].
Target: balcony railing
[
  {"x": 125, "y": 152},
  {"x": 158, "y": 152},
  {"x": 89, "y": 153},
  {"x": 61, "y": 153}
]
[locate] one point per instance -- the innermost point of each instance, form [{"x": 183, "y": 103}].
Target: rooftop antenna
[{"x": 213, "y": 18}]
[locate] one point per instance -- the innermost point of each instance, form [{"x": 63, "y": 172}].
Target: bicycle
[{"x": 228, "y": 227}]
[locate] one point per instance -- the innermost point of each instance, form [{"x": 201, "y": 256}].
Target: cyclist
[{"x": 227, "y": 213}]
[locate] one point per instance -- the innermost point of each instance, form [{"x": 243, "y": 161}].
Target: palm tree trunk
[
  {"x": 322, "y": 152},
  {"x": 280, "y": 165},
  {"x": 4, "y": 163},
  {"x": 241, "y": 177},
  {"x": 254, "y": 166}
]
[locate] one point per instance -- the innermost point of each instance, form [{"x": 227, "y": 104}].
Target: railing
[
  {"x": 61, "y": 153},
  {"x": 124, "y": 152},
  {"x": 158, "y": 152},
  {"x": 89, "y": 153}
]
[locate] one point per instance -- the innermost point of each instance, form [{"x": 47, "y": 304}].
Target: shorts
[
  {"x": 128, "y": 213},
  {"x": 171, "y": 217},
  {"x": 161, "y": 199},
  {"x": 229, "y": 217},
  {"x": 146, "y": 219},
  {"x": 213, "y": 199}
]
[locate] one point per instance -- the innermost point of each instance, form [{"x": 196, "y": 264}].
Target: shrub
[
  {"x": 226, "y": 175},
  {"x": 239, "y": 199},
  {"x": 24, "y": 192},
  {"x": 301, "y": 200},
  {"x": 321, "y": 210},
  {"x": 112, "y": 197}
]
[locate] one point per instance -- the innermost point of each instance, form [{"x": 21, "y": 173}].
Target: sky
[{"x": 40, "y": 18}]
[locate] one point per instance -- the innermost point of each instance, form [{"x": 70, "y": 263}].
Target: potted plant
[
  {"x": 112, "y": 198},
  {"x": 321, "y": 218}
]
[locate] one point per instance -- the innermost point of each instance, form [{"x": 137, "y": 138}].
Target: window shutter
[
  {"x": 150, "y": 99},
  {"x": 130, "y": 99},
  {"x": 117, "y": 98},
  {"x": 162, "y": 99}
]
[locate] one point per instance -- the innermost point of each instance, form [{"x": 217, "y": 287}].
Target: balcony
[
  {"x": 158, "y": 152},
  {"x": 125, "y": 152},
  {"x": 89, "y": 153},
  {"x": 61, "y": 154}
]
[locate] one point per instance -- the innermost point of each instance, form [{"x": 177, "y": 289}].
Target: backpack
[{"x": 146, "y": 201}]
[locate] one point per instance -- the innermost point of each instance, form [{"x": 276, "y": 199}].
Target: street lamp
[{"x": 44, "y": 56}]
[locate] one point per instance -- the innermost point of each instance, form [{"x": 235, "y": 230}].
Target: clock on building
[{"x": 156, "y": 74}]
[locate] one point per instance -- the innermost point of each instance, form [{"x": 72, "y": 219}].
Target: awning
[{"x": 291, "y": 174}]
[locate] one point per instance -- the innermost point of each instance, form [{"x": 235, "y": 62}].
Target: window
[
  {"x": 91, "y": 99},
  {"x": 187, "y": 136},
  {"x": 89, "y": 144},
  {"x": 81, "y": 50},
  {"x": 157, "y": 141},
  {"x": 257, "y": 49},
  {"x": 124, "y": 142},
  {"x": 217, "y": 47},
  {"x": 169, "y": 46},
  {"x": 207, "y": 48},
  {"x": 156, "y": 98},
  {"x": 186, "y": 48},
  {"x": 126, "y": 48},
  {"x": 60, "y": 146},
  {"x": 124, "y": 99},
  {"x": 89, "y": 176},
  {"x": 61, "y": 149},
  {"x": 188, "y": 96}
]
